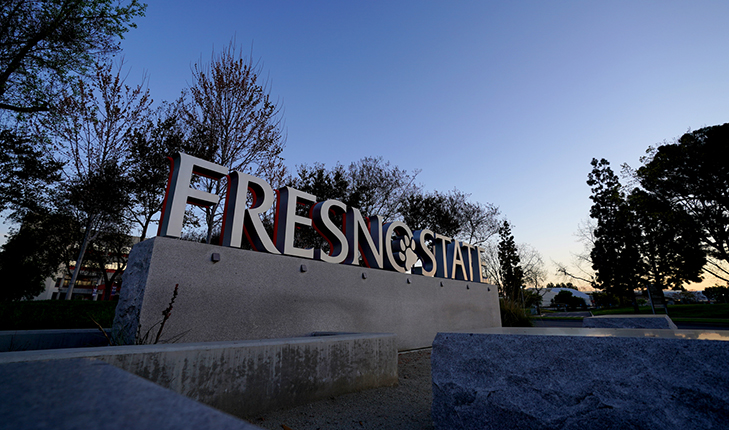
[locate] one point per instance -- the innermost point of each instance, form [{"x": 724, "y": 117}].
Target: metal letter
[
  {"x": 476, "y": 263},
  {"x": 179, "y": 192},
  {"x": 363, "y": 240},
  {"x": 466, "y": 253},
  {"x": 441, "y": 256},
  {"x": 286, "y": 221},
  {"x": 238, "y": 220},
  {"x": 427, "y": 259},
  {"x": 456, "y": 259},
  {"x": 329, "y": 231}
]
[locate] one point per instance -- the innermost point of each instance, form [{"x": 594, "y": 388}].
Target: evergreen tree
[
  {"x": 615, "y": 255},
  {"x": 641, "y": 238},
  {"x": 692, "y": 176},
  {"x": 670, "y": 242},
  {"x": 512, "y": 274},
  {"x": 36, "y": 252}
]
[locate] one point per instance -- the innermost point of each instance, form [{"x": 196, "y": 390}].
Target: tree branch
[{"x": 20, "y": 109}]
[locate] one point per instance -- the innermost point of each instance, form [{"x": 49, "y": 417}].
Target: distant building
[
  {"x": 90, "y": 282},
  {"x": 549, "y": 293}
]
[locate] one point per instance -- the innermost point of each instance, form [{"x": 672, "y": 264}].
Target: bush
[
  {"x": 605, "y": 300},
  {"x": 55, "y": 314},
  {"x": 566, "y": 298},
  {"x": 513, "y": 315}
]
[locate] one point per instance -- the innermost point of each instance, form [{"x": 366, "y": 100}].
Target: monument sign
[{"x": 282, "y": 290}]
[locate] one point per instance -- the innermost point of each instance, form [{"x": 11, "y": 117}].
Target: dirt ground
[{"x": 406, "y": 406}]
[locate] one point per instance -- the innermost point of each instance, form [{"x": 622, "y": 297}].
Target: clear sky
[{"x": 507, "y": 101}]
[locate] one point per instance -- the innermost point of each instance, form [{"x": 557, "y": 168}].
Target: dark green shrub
[
  {"x": 513, "y": 315},
  {"x": 55, "y": 314},
  {"x": 567, "y": 299}
]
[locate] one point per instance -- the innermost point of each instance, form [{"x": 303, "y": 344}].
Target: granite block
[
  {"x": 569, "y": 380},
  {"x": 630, "y": 321}
]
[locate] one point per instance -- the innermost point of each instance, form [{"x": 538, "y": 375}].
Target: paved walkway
[{"x": 404, "y": 407}]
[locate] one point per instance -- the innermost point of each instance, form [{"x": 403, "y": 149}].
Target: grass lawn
[
  {"x": 55, "y": 314},
  {"x": 718, "y": 311}
]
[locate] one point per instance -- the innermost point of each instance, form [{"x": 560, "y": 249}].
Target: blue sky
[{"x": 507, "y": 101}]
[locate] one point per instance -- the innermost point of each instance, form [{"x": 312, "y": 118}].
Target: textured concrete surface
[
  {"x": 600, "y": 379},
  {"x": 249, "y": 377},
  {"x": 90, "y": 394},
  {"x": 24, "y": 340},
  {"x": 403, "y": 407},
  {"x": 630, "y": 321},
  {"x": 255, "y": 295}
]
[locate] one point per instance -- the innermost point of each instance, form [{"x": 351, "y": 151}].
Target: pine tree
[
  {"x": 512, "y": 273},
  {"x": 616, "y": 254}
]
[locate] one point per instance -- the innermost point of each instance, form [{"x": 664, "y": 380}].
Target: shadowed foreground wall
[
  {"x": 245, "y": 378},
  {"x": 76, "y": 394}
]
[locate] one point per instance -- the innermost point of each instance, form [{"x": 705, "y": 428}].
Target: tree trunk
[
  {"x": 144, "y": 229},
  {"x": 107, "y": 289},
  {"x": 80, "y": 259},
  {"x": 109, "y": 282}
]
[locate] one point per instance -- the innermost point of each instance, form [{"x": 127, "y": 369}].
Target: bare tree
[
  {"x": 160, "y": 136},
  {"x": 93, "y": 122},
  {"x": 717, "y": 268},
  {"x": 535, "y": 274},
  {"x": 533, "y": 266},
  {"x": 580, "y": 269},
  {"x": 234, "y": 122},
  {"x": 479, "y": 221},
  {"x": 92, "y": 126},
  {"x": 491, "y": 264},
  {"x": 377, "y": 188}
]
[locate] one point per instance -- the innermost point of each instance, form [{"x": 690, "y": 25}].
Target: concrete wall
[
  {"x": 245, "y": 378},
  {"x": 90, "y": 395},
  {"x": 255, "y": 295},
  {"x": 576, "y": 379}
]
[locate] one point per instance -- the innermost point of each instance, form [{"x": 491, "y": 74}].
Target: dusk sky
[{"x": 506, "y": 101}]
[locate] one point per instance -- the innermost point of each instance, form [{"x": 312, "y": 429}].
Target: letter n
[{"x": 363, "y": 239}]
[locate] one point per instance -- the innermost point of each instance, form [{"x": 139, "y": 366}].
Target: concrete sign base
[{"x": 233, "y": 294}]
